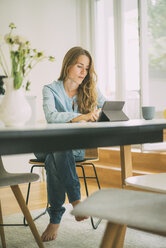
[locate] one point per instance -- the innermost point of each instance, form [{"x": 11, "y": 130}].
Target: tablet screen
[{"x": 112, "y": 111}]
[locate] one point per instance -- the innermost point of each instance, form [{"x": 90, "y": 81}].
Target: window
[
  {"x": 156, "y": 64},
  {"x": 131, "y": 54},
  {"x": 157, "y": 54},
  {"x": 131, "y": 39},
  {"x": 117, "y": 51},
  {"x": 105, "y": 51}
]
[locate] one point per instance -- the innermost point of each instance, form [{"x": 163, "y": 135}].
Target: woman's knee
[{"x": 79, "y": 154}]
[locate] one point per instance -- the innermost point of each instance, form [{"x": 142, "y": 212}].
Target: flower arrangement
[{"x": 22, "y": 57}]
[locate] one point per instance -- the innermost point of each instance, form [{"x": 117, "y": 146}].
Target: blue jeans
[{"x": 62, "y": 179}]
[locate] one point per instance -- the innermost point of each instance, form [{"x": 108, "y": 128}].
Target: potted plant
[{"x": 14, "y": 109}]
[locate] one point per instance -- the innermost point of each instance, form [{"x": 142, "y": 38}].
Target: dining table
[{"x": 66, "y": 136}]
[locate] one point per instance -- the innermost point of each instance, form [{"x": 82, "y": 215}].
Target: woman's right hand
[{"x": 92, "y": 116}]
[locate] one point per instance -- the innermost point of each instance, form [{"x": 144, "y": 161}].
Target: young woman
[{"x": 73, "y": 98}]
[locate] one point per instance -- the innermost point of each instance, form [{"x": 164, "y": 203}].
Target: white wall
[{"x": 50, "y": 25}]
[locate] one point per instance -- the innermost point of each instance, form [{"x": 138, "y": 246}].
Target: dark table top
[{"x": 56, "y": 137}]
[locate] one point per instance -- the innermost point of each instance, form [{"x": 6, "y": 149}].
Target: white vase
[{"x": 15, "y": 110}]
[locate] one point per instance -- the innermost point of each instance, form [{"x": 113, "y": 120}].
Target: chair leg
[
  {"x": 84, "y": 177},
  {"x": 96, "y": 175},
  {"x": 2, "y": 233},
  {"x": 95, "y": 226},
  {"x": 19, "y": 197},
  {"x": 95, "y": 172},
  {"x": 114, "y": 236},
  {"x": 27, "y": 199}
]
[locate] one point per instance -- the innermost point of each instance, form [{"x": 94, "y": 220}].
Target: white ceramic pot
[{"x": 15, "y": 110}]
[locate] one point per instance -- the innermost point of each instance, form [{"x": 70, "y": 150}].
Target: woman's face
[{"x": 78, "y": 72}]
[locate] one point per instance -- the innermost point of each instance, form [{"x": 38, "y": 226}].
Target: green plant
[{"x": 22, "y": 57}]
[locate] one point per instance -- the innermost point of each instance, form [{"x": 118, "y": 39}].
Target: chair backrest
[
  {"x": 9, "y": 179},
  {"x": 91, "y": 153}
]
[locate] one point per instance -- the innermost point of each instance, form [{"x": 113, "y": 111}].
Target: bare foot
[
  {"x": 50, "y": 233},
  {"x": 79, "y": 218}
]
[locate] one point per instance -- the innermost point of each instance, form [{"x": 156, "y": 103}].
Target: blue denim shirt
[{"x": 57, "y": 104}]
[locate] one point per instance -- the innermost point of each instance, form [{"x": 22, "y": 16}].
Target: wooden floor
[{"x": 38, "y": 197}]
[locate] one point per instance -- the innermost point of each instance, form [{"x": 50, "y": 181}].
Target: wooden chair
[
  {"x": 13, "y": 180},
  {"x": 91, "y": 155},
  {"x": 125, "y": 208}
]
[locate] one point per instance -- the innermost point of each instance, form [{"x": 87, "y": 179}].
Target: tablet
[{"x": 112, "y": 111}]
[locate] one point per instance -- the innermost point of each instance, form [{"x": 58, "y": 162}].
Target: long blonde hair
[{"x": 87, "y": 92}]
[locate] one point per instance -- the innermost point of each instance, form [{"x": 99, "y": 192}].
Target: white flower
[
  {"x": 20, "y": 40},
  {"x": 8, "y": 39},
  {"x": 12, "y": 25}
]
